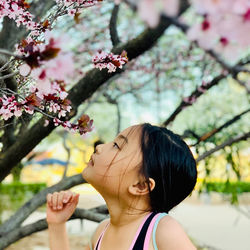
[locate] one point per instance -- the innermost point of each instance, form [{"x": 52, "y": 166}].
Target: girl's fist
[{"x": 60, "y": 206}]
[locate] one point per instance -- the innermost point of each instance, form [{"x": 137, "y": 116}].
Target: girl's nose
[{"x": 98, "y": 149}]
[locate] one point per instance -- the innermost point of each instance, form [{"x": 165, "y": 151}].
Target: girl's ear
[{"x": 141, "y": 187}]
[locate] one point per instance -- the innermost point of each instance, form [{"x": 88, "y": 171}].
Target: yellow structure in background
[{"x": 81, "y": 151}]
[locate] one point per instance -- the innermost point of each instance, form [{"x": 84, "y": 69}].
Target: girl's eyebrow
[{"x": 123, "y": 137}]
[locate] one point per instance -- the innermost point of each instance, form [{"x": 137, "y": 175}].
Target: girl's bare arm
[
  {"x": 60, "y": 207},
  {"x": 170, "y": 235}
]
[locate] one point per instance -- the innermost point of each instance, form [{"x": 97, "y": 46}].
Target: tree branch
[
  {"x": 223, "y": 145},
  {"x": 194, "y": 96},
  {"x": 8, "y": 137},
  {"x": 11, "y": 34},
  {"x": 113, "y": 26},
  {"x": 209, "y": 134},
  {"x": 40, "y": 225},
  {"x": 11, "y": 75}
]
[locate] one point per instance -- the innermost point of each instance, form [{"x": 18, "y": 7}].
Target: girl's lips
[{"x": 91, "y": 162}]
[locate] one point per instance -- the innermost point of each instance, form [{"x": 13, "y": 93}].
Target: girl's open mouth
[{"x": 91, "y": 162}]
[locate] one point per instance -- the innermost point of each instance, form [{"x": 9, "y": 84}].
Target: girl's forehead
[{"x": 132, "y": 133}]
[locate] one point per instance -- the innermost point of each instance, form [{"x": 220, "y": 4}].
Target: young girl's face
[{"x": 115, "y": 165}]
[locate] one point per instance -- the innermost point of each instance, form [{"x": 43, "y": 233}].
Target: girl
[{"x": 144, "y": 173}]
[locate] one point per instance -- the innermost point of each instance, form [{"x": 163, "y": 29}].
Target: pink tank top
[{"x": 143, "y": 234}]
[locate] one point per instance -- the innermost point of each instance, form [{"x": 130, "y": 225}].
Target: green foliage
[
  {"x": 17, "y": 188},
  {"x": 228, "y": 187},
  {"x": 233, "y": 188},
  {"x": 13, "y": 195}
]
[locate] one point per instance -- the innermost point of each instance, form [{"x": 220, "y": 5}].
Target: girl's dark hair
[{"x": 168, "y": 160}]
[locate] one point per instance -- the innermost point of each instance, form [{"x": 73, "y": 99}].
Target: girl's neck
[{"x": 122, "y": 215}]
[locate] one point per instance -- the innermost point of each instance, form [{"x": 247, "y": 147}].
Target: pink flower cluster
[
  {"x": 193, "y": 98},
  {"x": 45, "y": 62},
  {"x": 17, "y": 10},
  {"x": 84, "y": 124},
  {"x": 55, "y": 103},
  {"x": 74, "y": 6},
  {"x": 110, "y": 61},
  {"x": 150, "y": 10},
  {"x": 9, "y": 107},
  {"x": 225, "y": 26}
]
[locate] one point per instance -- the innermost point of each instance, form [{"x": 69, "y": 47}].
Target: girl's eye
[{"x": 115, "y": 145}]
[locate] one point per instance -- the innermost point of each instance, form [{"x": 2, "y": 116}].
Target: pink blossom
[
  {"x": 71, "y": 12},
  {"x": 225, "y": 27},
  {"x": 24, "y": 69},
  {"x": 110, "y": 61},
  {"x": 18, "y": 112},
  {"x": 171, "y": 7},
  {"x": 206, "y": 38},
  {"x": 57, "y": 122},
  {"x": 148, "y": 12},
  {"x": 46, "y": 123},
  {"x": 5, "y": 113},
  {"x": 202, "y": 89},
  {"x": 189, "y": 99},
  {"x": 61, "y": 67},
  {"x": 17, "y": 10}
]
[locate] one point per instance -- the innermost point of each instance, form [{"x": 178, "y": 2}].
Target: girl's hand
[{"x": 60, "y": 206}]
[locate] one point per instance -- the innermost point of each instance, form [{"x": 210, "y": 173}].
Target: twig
[
  {"x": 8, "y": 53},
  {"x": 5, "y": 65},
  {"x": 9, "y": 75},
  {"x": 223, "y": 145},
  {"x": 35, "y": 108},
  {"x": 195, "y": 95},
  {"x": 113, "y": 26},
  {"x": 9, "y": 124},
  {"x": 216, "y": 130}
]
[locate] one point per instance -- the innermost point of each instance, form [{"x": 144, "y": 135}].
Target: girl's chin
[{"x": 84, "y": 175}]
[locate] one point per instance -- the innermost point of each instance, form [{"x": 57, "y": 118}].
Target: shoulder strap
[
  {"x": 97, "y": 247},
  {"x": 141, "y": 237},
  {"x": 155, "y": 227}
]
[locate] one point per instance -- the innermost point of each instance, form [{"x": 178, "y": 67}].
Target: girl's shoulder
[
  {"x": 171, "y": 235},
  {"x": 98, "y": 232}
]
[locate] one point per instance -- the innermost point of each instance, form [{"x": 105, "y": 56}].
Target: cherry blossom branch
[
  {"x": 8, "y": 137},
  {"x": 9, "y": 75},
  {"x": 209, "y": 134},
  {"x": 5, "y": 65},
  {"x": 234, "y": 70},
  {"x": 113, "y": 26},
  {"x": 187, "y": 101},
  {"x": 8, "y": 53},
  {"x": 229, "y": 142},
  {"x": 6, "y": 125},
  {"x": 78, "y": 94},
  {"x": 118, "y": 112}
]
